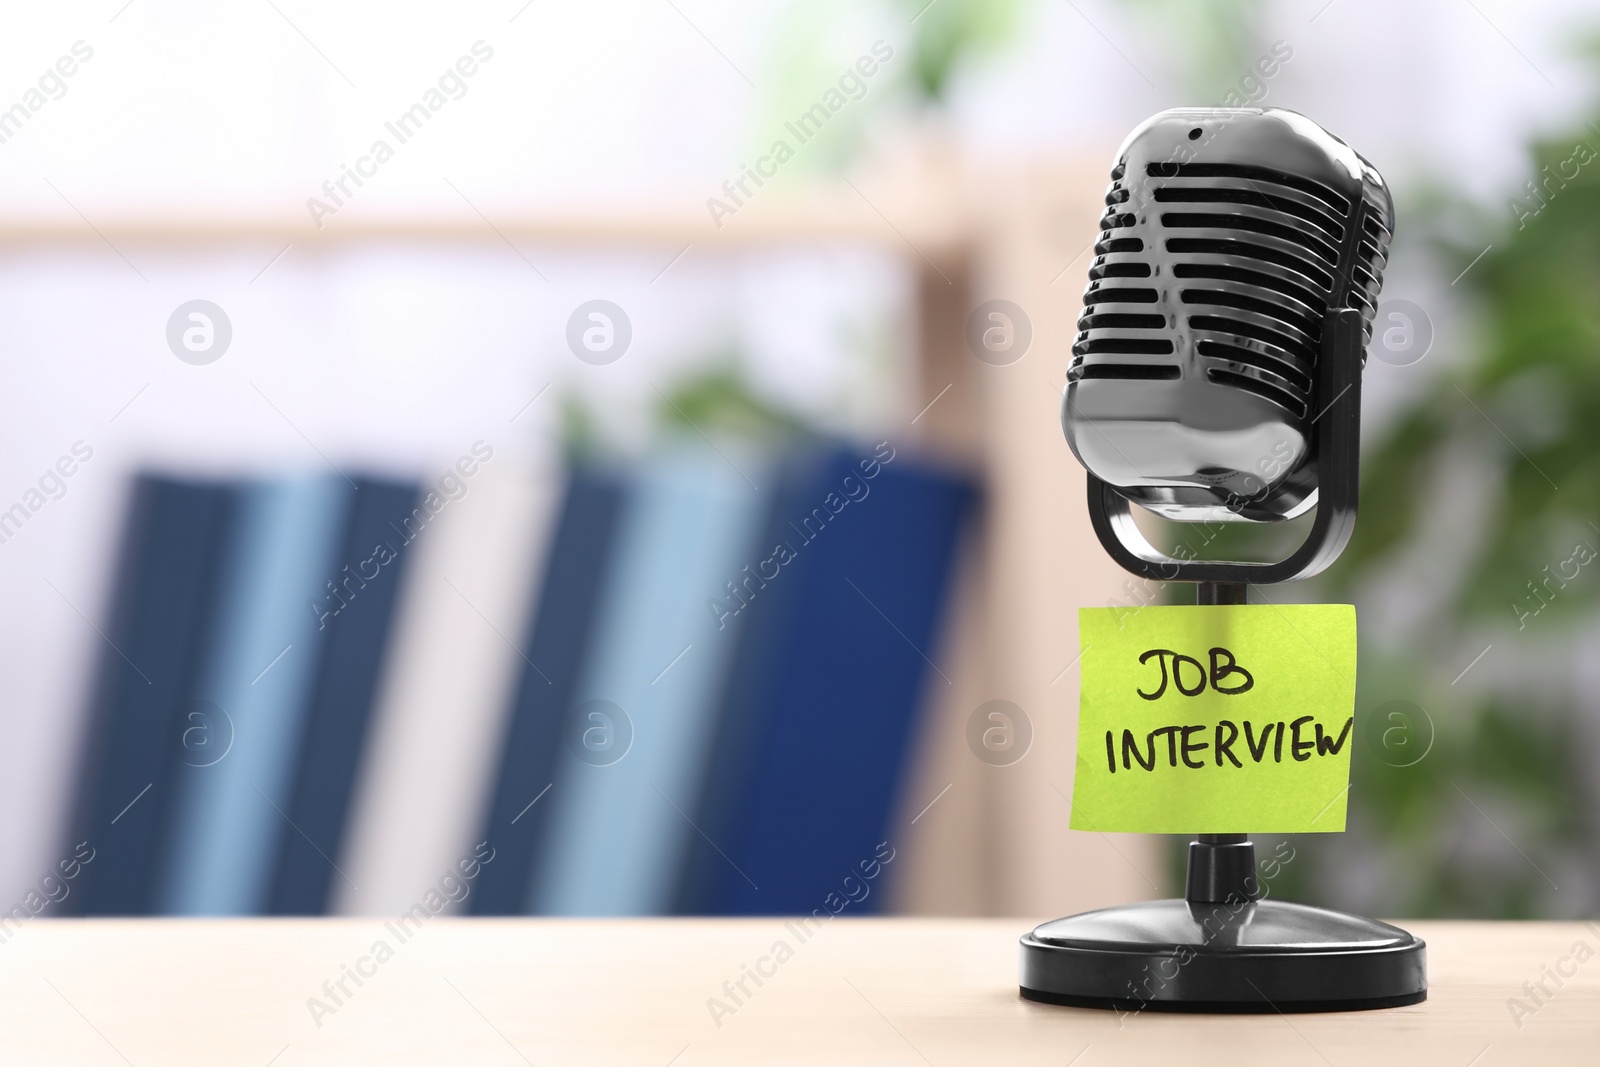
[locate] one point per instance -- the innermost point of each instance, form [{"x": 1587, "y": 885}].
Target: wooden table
[{"x": 868, "y": 991}]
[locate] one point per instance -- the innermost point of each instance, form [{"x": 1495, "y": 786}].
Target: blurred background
[{"x": 603, "y": 459}]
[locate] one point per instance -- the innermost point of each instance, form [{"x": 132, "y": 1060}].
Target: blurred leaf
[
  {"x": 946, "y": 31},
  {"x": 718, "y": 400}
]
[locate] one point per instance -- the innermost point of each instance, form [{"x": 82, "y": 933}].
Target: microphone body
[{"x": 1229, "y": 238}]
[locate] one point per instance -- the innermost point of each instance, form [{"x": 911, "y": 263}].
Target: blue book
[
  {"x": 165, "y": 583},
  {"x": 648, "y": 694},
  {"x": 353, "y": 616},
  {"x": 757, "y": 634},
  {"x": 818, "y": 719},
  {"x": 241, "y": 755},
  {"x": 561, "y": 627}
]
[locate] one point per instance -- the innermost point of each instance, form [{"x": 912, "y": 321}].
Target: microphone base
[{"x": 1242, "y": 957}]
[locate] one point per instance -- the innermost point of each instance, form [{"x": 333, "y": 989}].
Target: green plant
[
  {"x": 1497, "y": 814},
  {"x": 717, "y": 399},
  {"x": 946, "y": 31},
  {"x": 713, "y": 399}
]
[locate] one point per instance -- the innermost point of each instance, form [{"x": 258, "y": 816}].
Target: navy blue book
[
  {"x": 166, "y": 576},
  {"x": 353, "y": 617},
  {"x": 562, "y": 627},
  {"x": 835, "y": 623}
]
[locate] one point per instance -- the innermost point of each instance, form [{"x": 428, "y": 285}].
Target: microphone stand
[
  {"x": 1221, "y": 867},
  {"x": 1223, "y": 947}
]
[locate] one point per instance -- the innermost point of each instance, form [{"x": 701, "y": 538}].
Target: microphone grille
[{"x": 1221, "y": 258}]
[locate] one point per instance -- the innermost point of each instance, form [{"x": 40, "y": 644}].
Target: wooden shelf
[{"x": 910, "y": 222}]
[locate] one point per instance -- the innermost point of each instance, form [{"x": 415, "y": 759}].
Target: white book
[{"x": 447, "y": 687}]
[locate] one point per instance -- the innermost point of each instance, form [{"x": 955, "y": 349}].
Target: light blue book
[
  {"x": 626, "y": 778},
  {"x": 262, "y": 663}
]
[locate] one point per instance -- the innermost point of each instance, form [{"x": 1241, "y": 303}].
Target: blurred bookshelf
[{"x": 977, "y": 837}]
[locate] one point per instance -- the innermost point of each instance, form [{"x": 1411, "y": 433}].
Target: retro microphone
[
  {"x": 1216, "y": 372},
  {"x": 1216, "y": 376}
]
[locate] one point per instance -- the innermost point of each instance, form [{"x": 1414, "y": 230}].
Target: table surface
[{"x": 856, "y": 991}]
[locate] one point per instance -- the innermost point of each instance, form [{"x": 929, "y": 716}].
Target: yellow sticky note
[{"x": 1226, "y": 719}]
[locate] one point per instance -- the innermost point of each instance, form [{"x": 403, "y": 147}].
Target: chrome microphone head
[{"x": 1228, "y": 235}]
